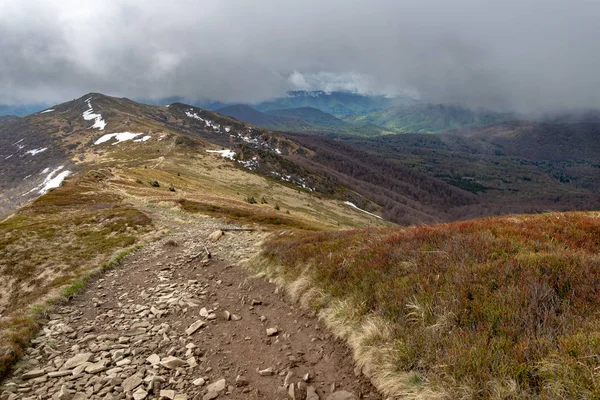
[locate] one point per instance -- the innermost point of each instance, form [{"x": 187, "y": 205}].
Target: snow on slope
[
  {"x": 36, "y": 151},
  {"x": 47, "y": 111},
  {"x": 360, "y": 209},
  {"x": 224, "y": 153},
  {"x": 207, "y": 122},
  {"x": 51, "y": 181},
  {"x": 121, "y": 137},
  {"x": 54, "y": 182},
  {"x": 89, "y": 115}
]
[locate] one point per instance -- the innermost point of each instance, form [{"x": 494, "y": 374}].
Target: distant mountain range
[
  {"x": 336, "y": 103},
  {"x": 429, "y": 118},
  {"x": 303, "y": 119},
  {"x": 21, "y": 110},
  {"x": 341, "y": 113},
  {"x": 354, "y": 114}
]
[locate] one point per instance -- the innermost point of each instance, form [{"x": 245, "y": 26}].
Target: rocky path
[{"x": 170, "y": 323}]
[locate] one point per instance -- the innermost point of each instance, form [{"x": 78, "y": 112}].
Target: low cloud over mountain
[{"x": 523, "y": 55}]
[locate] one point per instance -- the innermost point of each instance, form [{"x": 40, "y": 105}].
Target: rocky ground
[{"x": 171, "y": 323}]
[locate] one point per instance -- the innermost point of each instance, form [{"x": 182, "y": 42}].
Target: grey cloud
[{"x": 525, "y": 55}]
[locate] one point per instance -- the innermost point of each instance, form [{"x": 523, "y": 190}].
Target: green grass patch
[
  {"x": 268, "y": 217},
  {"x": 74, "y": 288}
]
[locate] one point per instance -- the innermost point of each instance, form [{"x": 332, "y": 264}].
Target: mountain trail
[{"x": 172, "y": 323}]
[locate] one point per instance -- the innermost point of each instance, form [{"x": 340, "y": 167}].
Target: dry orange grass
[{"x": 490, "y": 308}]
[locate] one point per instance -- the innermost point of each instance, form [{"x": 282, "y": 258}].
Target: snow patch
[
  {"x": 19, "y": 146},
  {"x": 89, "y": 115},
  {"x": 301, "y": 182},
  {"x": 360, "y": 209},
  {"x": 250, "y": 164},
  {"x": 54, "y": 182},
  {"x": 36, "y": 151},
  {"x": 207, "y": 122},
  {"x": 119, "y": 137},
  {"x": 47, "y": 111},
  {"x": 143, "y": 139},
  {"x": 51, "y": 181},
  {"x": 224, "y": 153},
  {"x": 45, "y": 171},
  {"x": 194, "y": 115},
  {"x": 7, "y": 157}
]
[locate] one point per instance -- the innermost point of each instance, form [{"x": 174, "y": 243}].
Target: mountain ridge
[{"x": 138, "y": 173}]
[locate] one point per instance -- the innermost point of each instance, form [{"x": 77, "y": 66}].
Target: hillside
[
  {"x": 313, "y": 116},
  {"x": 509, "y": 167},
  {"x": 406, "y": 196},
  {"x": 7, "y": 118},
  {"x": 94, "y": 179},
  {"x": 40, "y": 146},
  {"x": 335, "y": 103},
  {"x": 494, "y": 308},
  {"x": 324, "y": 123},
  {"x": 428, "y": 118},
  {"x": 249, "y": 115}
]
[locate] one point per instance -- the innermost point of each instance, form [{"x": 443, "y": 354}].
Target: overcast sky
[{"x": 521, "y": 54}]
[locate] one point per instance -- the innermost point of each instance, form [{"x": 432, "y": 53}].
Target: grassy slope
[
  {"x": 63, "y": 236},
  {"x": 490, "y": 308},
  {"x": 53, "y": 242}
]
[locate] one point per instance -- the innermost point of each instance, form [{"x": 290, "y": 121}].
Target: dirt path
[{"x": 167, "y": 325}]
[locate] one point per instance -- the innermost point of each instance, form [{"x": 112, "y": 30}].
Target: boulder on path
[
  {"x": 342, "y": 395},
  {"x": 272, "y": 331},
  {"x": 131, "y": 383},
  {"x": 194, "y": 327},
  {"x": 216, "y": 235},
  {"x": 218, "y": 386},
  {"x": 77, "y": 360},
  {"x": 172, "y": 362},
  {"x": 266, "y": 372},
  {"x": 297, "y": 391},
  {"x": 311, "y": 393},
  {"x": 34, "y": 373},
  {"x": 167, "y": 394},
  {"x": 140, "y": 394}
]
